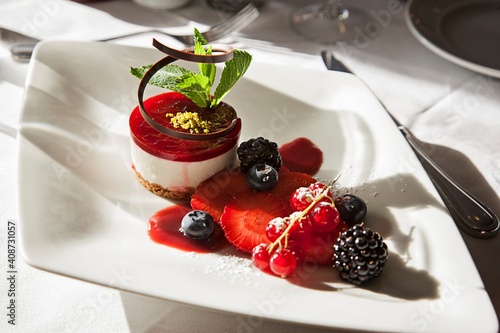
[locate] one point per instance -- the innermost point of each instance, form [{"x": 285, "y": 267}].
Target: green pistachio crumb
[{"x": 190, "y": 121}]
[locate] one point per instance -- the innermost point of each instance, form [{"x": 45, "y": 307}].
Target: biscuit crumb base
[{"x": 166, "y": 193}]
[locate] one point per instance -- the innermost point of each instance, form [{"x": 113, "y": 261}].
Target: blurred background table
[{"x": 454, "y": 110}]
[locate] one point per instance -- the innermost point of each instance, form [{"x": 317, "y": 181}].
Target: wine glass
[
  {"x": 233, "y": 5},
  {"x": 329, "y": 21}
]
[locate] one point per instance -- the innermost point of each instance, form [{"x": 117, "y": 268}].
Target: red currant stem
[
  {"x": 323, "y": 194},
  {"x": 331, "y": 185}
]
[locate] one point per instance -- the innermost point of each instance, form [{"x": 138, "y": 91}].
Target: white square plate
[{"x": 83, "y": 214}]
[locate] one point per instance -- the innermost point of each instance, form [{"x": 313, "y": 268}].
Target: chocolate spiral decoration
[{"x": 223, "y": 53}]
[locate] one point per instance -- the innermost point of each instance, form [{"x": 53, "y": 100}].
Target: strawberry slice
[
  {"x": 246, "y": 216},
  {"x": 214, "y": 193}
]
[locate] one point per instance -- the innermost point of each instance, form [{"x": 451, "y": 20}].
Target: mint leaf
[
  {"x": 234, "y": 69},
  {"x": 199, "y": 38},
  {"x": 207, "y": 70},
  {"x": 165, "y": 78},
  {"x": 194, "y": 86}
]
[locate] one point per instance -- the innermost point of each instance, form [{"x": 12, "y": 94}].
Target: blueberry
[
  {"x": 352, "y": 209},
  {"x": 262, "y": 177},
  {"x": 197, "y": 224}
]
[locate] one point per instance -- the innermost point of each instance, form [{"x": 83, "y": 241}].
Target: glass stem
[{"x": 334, "y": 9}]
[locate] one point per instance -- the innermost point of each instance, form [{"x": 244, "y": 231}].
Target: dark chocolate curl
[{"x": 224, "y": 53}]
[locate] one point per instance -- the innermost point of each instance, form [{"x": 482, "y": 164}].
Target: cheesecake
[{"x": 171, "y": 166}]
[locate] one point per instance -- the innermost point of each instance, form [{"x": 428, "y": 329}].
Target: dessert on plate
[
  {"x": 260, "y": 198},
  {"x": 172, "y": 167}
]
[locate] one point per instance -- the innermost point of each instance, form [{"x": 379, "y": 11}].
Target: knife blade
[{"x": 469, "y": 213}]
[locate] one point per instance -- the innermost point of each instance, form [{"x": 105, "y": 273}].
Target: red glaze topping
[
  {"x": 164, "y": 229},
  {"x": 170, "y": 148},
  {"x": 301, "y": 155}
]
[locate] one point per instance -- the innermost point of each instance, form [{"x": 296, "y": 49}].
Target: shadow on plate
[
  {"x": 403, "y": 282},
  {"x": 397, "y": 280},
  {"x": 466, "y": 175}
]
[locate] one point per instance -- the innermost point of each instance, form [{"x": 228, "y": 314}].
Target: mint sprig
[
  {"x": 234, "y": 69},
  {"x": 198, "y": 86}
]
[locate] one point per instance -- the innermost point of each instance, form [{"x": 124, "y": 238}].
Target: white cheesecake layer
[{"x": 175, "y": 175}]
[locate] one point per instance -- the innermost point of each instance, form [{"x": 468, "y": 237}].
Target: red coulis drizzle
[
  {"x": 301, "y": 155},
  {"x": 164, "y": 228}
]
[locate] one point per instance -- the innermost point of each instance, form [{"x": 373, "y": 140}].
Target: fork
[{"x": 234, "y": 23}]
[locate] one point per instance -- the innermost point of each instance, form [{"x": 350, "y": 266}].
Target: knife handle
[{"x": 474, "y": 217}]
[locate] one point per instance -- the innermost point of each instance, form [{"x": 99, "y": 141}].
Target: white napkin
[{"x": 62, "y": 19}]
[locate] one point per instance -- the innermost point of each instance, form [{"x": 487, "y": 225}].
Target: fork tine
[
  {"x": 234, "y": 23},
  {"x": 244, "y": 12}
]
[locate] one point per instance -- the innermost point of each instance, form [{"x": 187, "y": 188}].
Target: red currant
[
  {"x": 261, "y": 257},
  {"x": 275, "y": 228},
  {"x": 301, "y": 198},
  {"x": 283, "y": 262},
  {"x": 317, "y": 188},
  {"x": 296, "y": 250},
  {"x": 324, "y": 217},
  {"x": 301, "y": 230}
]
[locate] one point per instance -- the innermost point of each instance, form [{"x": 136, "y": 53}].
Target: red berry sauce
[
  {"x": 164, "y": 228},
  {"x": 301, "y": 155},
  {"x": 170, "y": 148}
]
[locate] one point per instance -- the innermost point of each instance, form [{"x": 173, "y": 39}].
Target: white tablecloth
[{"x": 453, "y": 109}]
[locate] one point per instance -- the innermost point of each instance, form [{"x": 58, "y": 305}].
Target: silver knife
[{"x": 470, "y": 214}]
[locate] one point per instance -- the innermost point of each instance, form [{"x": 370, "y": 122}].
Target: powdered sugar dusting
[
  {"x": 369, "y": 187},
  {"x": 232, "y": 268},
  {"x": 192, "y": 255},
  {"x": 278, "y": 223}
]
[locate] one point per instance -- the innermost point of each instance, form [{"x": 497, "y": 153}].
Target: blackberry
[
  {"x": 258, "y": 151},
  {"x": 360, "y": 254}
]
